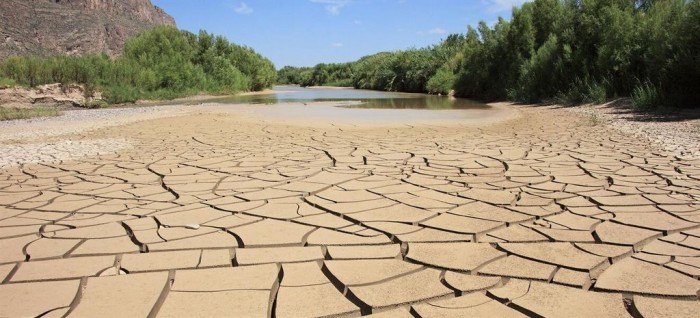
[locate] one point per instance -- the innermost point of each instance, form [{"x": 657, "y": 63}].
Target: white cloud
[
  {"x": 433, "y": 31},
  {"x": 243, "y": 8},
  {"x": 503, "y": 5},
  {"x": 337, "y": 45},
  {"x": 358, "y": 22},
  {"x": 332, "y": 6},
  {"x": 437, "y": 31}
]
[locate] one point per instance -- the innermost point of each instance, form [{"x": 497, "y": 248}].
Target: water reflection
[
  {"x": 425, "y": 102},
  {"x": 369, "y": 99}
]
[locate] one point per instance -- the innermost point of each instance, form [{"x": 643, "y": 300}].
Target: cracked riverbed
[{"x": 214, "y": 211}]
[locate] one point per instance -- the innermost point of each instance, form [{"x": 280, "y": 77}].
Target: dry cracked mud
[{"x": 217, "y": 214}]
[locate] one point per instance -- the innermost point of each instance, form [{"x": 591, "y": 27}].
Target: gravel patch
[
  {"x": 76, "y": 121},
  {"x": 29, "y": 140},
  {"x": 680, "y": 137}
]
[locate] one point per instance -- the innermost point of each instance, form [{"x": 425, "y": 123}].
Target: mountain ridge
[{"x": 74, "y": 27}]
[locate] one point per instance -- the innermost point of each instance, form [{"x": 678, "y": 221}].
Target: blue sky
[{"x": 308, "y": 32}]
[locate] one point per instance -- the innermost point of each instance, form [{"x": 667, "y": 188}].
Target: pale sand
[
  {"x": 203, "y": 97},
  {"x": 315, "y": 211}
]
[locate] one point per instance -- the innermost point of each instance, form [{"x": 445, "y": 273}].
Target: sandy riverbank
[{"x": 200, "y": 98}]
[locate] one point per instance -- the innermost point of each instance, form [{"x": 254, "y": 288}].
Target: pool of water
[{"x": 369, "y": 99}]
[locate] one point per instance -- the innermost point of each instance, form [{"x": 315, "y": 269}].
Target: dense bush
[
  {"x": 161, "y": 63},
  {"x": 405, "y": 71},
  {"x": 335, "y": 74},
  {"x": 6, "y": 82},
  {"x": 23, "y": 113},
  {"x": 586, "y": 51},
  {"x": 441, "y": 82},
  {"x": 291, "y": 75},
  {"x": 119, "y": 94},
  {"x": 583, "y": 91},
  {"x": 645, "y": 97}
]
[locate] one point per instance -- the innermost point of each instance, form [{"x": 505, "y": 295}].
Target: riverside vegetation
[
  {"x": 564, "y": 51},
  {"x": 161, "y": 63},
  {"x": 24, "y": 113}
]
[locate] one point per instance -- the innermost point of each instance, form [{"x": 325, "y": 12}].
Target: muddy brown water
[
  {"x": 367, "y": 99},
  {"x": 354, "y": 106}
]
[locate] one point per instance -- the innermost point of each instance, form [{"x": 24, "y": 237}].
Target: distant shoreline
[
  {"x": 329, "y": 87},
  {"x": 206, "y": 97}
]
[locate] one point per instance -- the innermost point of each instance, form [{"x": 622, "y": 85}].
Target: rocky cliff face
[{"x": 46, "y": 27}]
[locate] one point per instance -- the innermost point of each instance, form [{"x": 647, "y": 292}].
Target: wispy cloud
[
  {"x": 243, "y": 8},
  {"x": 358, "y": 22},
  {"x": 503, "y": 5},
  {"x": 332, "y": 6},
  {"x": 437, "y": 31},
  {"x": 336, "y": 45},
  {"x": 433, "y": 31}
]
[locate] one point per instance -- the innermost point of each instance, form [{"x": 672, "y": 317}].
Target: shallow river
[
  {"x": 351, "y": 106},
  {"x": 369, "y": 99}
]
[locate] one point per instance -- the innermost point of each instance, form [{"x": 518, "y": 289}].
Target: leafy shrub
[
  {"x": 583, "y": 92},
  {"x": 24, "y": 113},
  {"x": 441, "y": 83},
  {"x": 97, "y": 103},
  {"x": 541, "y": 76},
  {"x": 345, "y": 82},
  {"x": 646, "y": 97},
  {"x": 7, "y": 82},
  {"x": 121, "y": 94},
  {"x": 595, "y": 119}
]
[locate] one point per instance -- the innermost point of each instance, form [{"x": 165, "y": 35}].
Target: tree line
[
  {"x": 563, "y": 51},
  {"x": 161, "y": 63},
  {"x": 403, "y": 71}
]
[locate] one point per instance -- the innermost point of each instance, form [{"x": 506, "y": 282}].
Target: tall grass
[
  {"x": 6, "y": 82},
  {"x": 646, "y": 97},
  {"x": 583, "y": 92},
  {"x": 121, "y": 94},
  {"x": 24, "y": 113}
]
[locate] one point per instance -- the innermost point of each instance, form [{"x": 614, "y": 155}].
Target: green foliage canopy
[
  {"x": 570, "y": 51},
  {"x": 163, "y": 62}
]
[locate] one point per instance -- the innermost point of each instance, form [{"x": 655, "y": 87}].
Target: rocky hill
[{"x": 45, "y": 27}]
